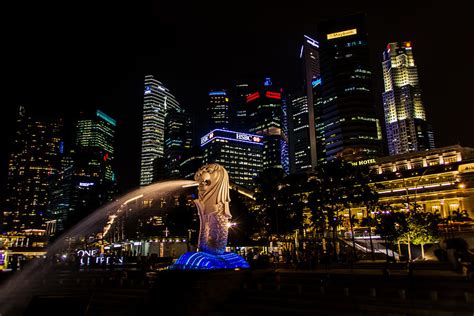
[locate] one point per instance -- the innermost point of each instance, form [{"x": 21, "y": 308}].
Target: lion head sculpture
[{"x": 214, "y": 186}]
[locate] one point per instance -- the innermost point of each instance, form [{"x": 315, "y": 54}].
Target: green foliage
[
  {"x": 279, "y": 203},
  {"x": 246, "y": 222},
  {"x": 460, "y": 216},
  {"x": 423, "y": 227},
  {"x": 414, "y": 227},
  {"x": 390, "y": 224},
  {"x": 338, "y": 186}
]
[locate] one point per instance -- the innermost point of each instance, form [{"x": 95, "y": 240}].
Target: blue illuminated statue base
[{"x": 207, "y": 261}]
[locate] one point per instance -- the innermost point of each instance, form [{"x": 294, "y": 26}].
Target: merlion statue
[
  {"x": 214, "y": 214},
  {"x": 213, "y": 208}
]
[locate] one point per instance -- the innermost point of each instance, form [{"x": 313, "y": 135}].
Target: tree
[
  {"x": 279, "y": 205},
  {"x": 370, "y": 198},
  {"x": 460, "y": 216},
  {"x": 369, "y": 221},
  {"x": 362, "y": 192},
  {"x": 245, "y": 221},
  {"x": 267, "y": 197},
  {"x": 332, "y": 191},
  {"x": 422, "y": 229},
  {"x": 390, "y": 224}
]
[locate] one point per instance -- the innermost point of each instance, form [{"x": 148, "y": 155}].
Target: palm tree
[
  {"x": 363, "y": 193},
  {"x": 369, "y": 222},
  {"x": 279, "y": 205},
  {"x": 353, "y": 220},
  {"x": 333, "y": 191},
  {"x": 459, "y": 217},
  {"x": 391, "y": 225},
  {"x": 267, "y": 196}
]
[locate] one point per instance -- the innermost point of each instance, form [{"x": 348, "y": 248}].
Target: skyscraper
[
  {"x": 60, "y": 192},
  {"x": 268, "y": 117},
  {"x": 309, "y": 56},
  {"x": 93, "y": 180},
  {"x": 300, "y": 150},
  {"x": 240, "y": 153},
  {"x": 218, "y": 109},
  {"x": 95, "y": 138},
  {"x": 178, "y": 141},
  {"x": 157, "y": 102},
  {"x": 33, "y": 160},
  {"x": 191, "y": 162},
  {"x": 405, "y": 117},
  {"x": 238, "y": 98},
  {"x": 351, "y": 128}
]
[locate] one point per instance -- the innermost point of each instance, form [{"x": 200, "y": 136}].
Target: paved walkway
[{"x": 356, "y": 271}]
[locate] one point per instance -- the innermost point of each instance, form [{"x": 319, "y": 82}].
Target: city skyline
[{"x": 121, "y": 92}]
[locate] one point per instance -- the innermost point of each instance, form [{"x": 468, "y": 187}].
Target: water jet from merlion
[{"x": 214, "y": 213}]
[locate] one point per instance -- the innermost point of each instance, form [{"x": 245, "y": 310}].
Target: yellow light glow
[{"x": 342, "y": 34}]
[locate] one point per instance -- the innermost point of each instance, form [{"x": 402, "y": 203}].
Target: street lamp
[{"x": 416, "y": 187}]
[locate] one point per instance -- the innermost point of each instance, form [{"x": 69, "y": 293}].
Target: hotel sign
[
  {"x": 363, "y": 162},
  {"x": 468, "y": 167},
  {"x": 342, "y": 34}
]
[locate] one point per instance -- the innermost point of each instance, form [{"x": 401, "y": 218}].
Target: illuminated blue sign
[
  {"x": 86, "y": 184},
  {"x": 213, "y": 93},
  {"x": 311, "y": 41},
  {"x": 106, "y": 118},
  {"x": 316, "y": 82},
  {"x": 268, "y": 82},
  {"x": 233, "y": 136},
  {"x": 61, "y": 147},
  {"x": 147, "y": 89}
]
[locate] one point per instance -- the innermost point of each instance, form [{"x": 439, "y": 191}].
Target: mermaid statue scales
[
  {"x": 213, "y": 208},
  {"x": 214, "y": 215}
]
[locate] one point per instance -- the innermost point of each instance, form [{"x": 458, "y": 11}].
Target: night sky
[{"x": 60, "y": 60}]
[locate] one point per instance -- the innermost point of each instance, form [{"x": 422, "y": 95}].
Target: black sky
[{"x": 60, "y": 60}]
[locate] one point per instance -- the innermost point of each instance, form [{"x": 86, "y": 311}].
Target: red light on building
[
  {"x": 253, "y": 96},
  {"x": 106, "y": 156},
  {"x": 273, "y": 95}
]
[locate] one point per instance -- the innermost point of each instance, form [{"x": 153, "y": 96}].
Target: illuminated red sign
[
  {"x": 106, "y": 156},
  {"x": 273, "y": 95},
  {"x": 253, "y": 96}
]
